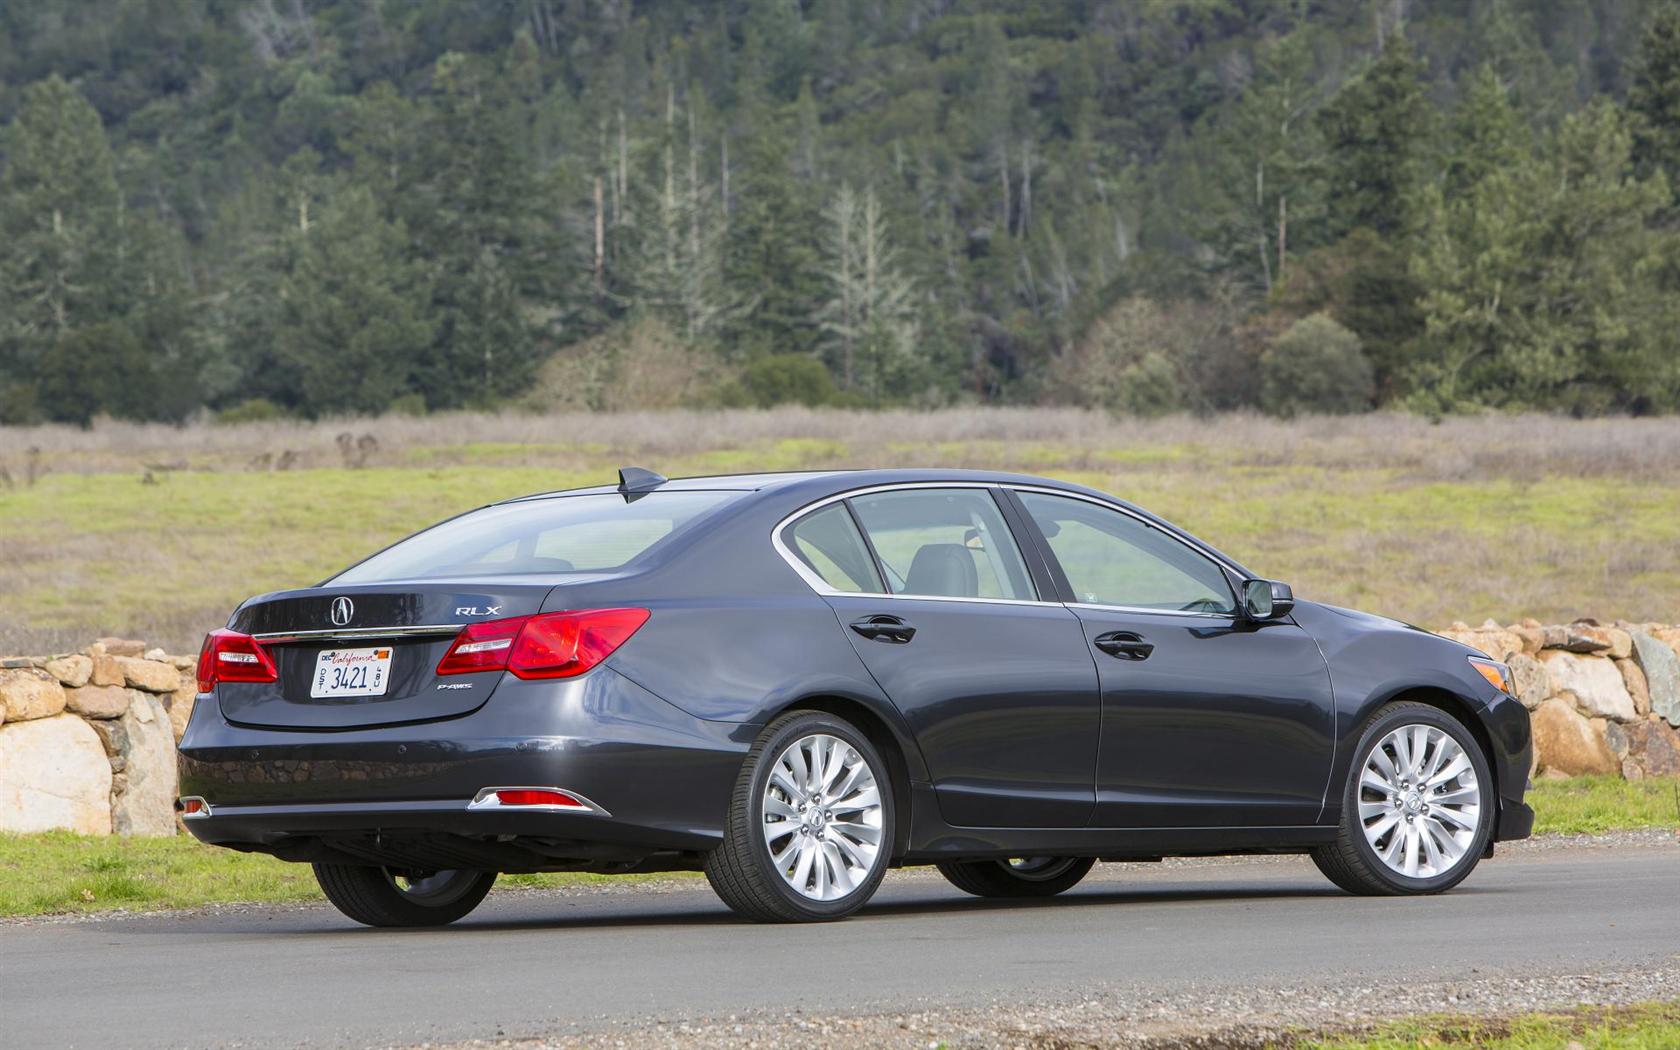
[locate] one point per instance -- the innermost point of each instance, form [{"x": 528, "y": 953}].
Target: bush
[
  {"x": 1316, "y": 366},
  {"x": 779, "y": 379},
  {"x": 638, "y": 365},
  {"x": 1145, "y": 357},
  {"x": 251, "y": 410}
]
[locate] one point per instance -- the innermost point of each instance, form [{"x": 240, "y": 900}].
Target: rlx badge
[{"x": 473, "y": 610}]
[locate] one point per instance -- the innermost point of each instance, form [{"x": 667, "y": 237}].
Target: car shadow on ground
[{"x": 699, "y": 909}]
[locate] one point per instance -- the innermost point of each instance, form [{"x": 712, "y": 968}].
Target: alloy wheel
[
  {"x": 822, "y": 817},
  {"x": 1419, "y": 801}
]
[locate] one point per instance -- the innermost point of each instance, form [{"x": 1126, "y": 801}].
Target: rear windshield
[{"x": 561, "y": 534}]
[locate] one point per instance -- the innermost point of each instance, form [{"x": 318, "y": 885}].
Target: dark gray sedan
[{"x": 796, "y": 681}]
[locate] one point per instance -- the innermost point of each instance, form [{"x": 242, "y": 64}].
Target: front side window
[
  {"x": 556, "y": 534},
  {"x": 828, "y": 542},
  {"x": 1112, "y": 558},
  {"x": 950, "y": 543}
]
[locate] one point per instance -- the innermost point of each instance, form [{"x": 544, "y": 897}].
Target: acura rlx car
[{"x": 796, "y": 681}]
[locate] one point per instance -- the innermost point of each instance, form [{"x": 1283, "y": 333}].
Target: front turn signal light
[{"x": 1498, "y": 674}]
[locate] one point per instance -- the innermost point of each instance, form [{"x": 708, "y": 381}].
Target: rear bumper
[{"x": 386, "y": 793}]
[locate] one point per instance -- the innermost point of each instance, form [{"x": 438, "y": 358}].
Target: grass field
[
  {"x": 1500, "y": 516},
  {"x": 1653, "y": 1026},
  {"x": 59, "y": 872}
]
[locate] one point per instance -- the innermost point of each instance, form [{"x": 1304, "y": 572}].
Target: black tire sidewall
[
  {"x": 802, "y": 725},
  {"x": 1381, "y": 726}
]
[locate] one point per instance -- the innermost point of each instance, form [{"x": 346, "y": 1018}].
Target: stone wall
[
  {"x": 1605, "y": 697},
  {"x": 87, "y": 739}
]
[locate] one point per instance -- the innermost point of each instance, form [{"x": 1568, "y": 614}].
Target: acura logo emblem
[{"x": 342, "y": 610}]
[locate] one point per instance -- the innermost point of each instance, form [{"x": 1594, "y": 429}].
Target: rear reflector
[
  {"x": 553, "y": 645},
  {"x": 535, "y": 797},
  {"x": 228, "y": 656},
  {"x": 192, "y": 806},
  {"x": 544, "y": 798}
]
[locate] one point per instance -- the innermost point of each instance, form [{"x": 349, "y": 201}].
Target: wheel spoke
[{"x": 1445, "y": 776}]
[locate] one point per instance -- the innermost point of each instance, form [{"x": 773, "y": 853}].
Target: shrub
[
  {"x": 779, "y": 379},
  {"x": 1316, "y": 366},
  {"x": 251, "y": 410},
  {"x": 641, "y": 364}
]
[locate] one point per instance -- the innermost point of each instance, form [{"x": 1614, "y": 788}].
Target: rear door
[
  {"x": 1208, "y": 719},
  {"x": 997, "y": 685}
]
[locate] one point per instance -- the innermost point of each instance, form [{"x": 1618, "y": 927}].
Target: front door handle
[
  {"x": 884, "y": 628},
  {"x": 1123, "y": 644}
]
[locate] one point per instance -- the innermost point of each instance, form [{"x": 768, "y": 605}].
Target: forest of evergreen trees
[{"x": 251, "y": 207}]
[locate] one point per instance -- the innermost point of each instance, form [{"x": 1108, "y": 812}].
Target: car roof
[
  {"x": 844, "y": 479},
  {"x": 813, "y": 485}
]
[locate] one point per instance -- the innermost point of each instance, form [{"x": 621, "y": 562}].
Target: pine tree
[
  {"x": 1654, "y": 95},
  {"x": 1540, "y": 282},
  {"x": 355, "y": 310},
  {"x": 1377, "y": 131},
  {"x": 869, "y": 314},
  {"x": 770, "y": 259}
]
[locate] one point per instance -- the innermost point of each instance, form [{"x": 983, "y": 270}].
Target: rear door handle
[
  {"x": 884, "y": 628},
  {"x": 1124, "y": 645}
]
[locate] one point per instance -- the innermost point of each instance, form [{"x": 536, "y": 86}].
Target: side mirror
[{"x": 1267, "y": 599}]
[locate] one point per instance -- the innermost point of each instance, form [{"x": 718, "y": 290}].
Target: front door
[
  {"x": 1208, "y": 719},
  {"x": 998, "y": 686}
]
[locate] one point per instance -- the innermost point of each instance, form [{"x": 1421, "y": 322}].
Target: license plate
[{"x": 351, "y": 672}]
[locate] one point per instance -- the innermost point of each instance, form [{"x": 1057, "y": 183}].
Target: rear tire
[
  {"x": 804, "y": 846},
  {"x": 380, "y": 897},
  {"x": 1018, "y": 877},
  {"x": 1417, "y": 772}
]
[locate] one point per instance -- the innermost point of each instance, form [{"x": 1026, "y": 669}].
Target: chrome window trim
[
  {"x": 818, "y": 584},
  {"x": 821, "y": 586},
  {"x": 359, "y": 633}
]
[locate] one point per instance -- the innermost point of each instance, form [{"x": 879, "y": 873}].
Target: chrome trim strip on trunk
[{"x": 360, "y": 633}]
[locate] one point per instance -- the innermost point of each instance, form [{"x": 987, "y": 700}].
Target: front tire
[
  {"x": 809, "y": 831},
  {"x": 1017, "y": 877},
  {"x": 1417, "y": 809},
  {"x": 381, "y": 897}
]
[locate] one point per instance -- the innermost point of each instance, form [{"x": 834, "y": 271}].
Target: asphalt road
[{"x": 551, "y": 963}]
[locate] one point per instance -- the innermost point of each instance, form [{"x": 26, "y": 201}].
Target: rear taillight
[
  {"x": 228, "y": 656},
  {"x": 553, "y": 645},
  {"x": 481, "y": 646}
]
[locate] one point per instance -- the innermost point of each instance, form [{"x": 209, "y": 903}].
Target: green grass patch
[
  {"x": 1590, "y": 805},
  {"x": 60, "y": 873},
  {"x": 1652, "y": 1026}
]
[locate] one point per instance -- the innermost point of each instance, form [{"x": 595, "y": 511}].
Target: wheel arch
[
  {"x": 887, "y": 740},
  {"x": 1457, "y": 706}
]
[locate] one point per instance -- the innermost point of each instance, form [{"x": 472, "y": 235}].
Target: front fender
[{"x": 1374, "y": 661}]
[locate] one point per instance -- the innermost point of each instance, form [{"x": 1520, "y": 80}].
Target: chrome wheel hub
[
  {"x": 1419, "y": 801},
  {"x": 822, "y": 817}
]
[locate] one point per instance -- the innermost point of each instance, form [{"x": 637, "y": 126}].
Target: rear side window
[
  {"x": 829, "y": 543},
  {"x": 559, "y": 534},
  {"x": 949, "y": 543}
]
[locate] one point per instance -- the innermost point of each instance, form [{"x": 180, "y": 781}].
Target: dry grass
[
  {"x": 1523, "y": 447},
  {"x": 1473, "y": 517}
]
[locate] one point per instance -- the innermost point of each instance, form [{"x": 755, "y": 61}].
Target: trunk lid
[{"x": 408, "y": 626}]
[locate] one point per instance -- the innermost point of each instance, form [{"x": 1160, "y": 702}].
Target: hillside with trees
[{"x": 319, "y": 207}]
